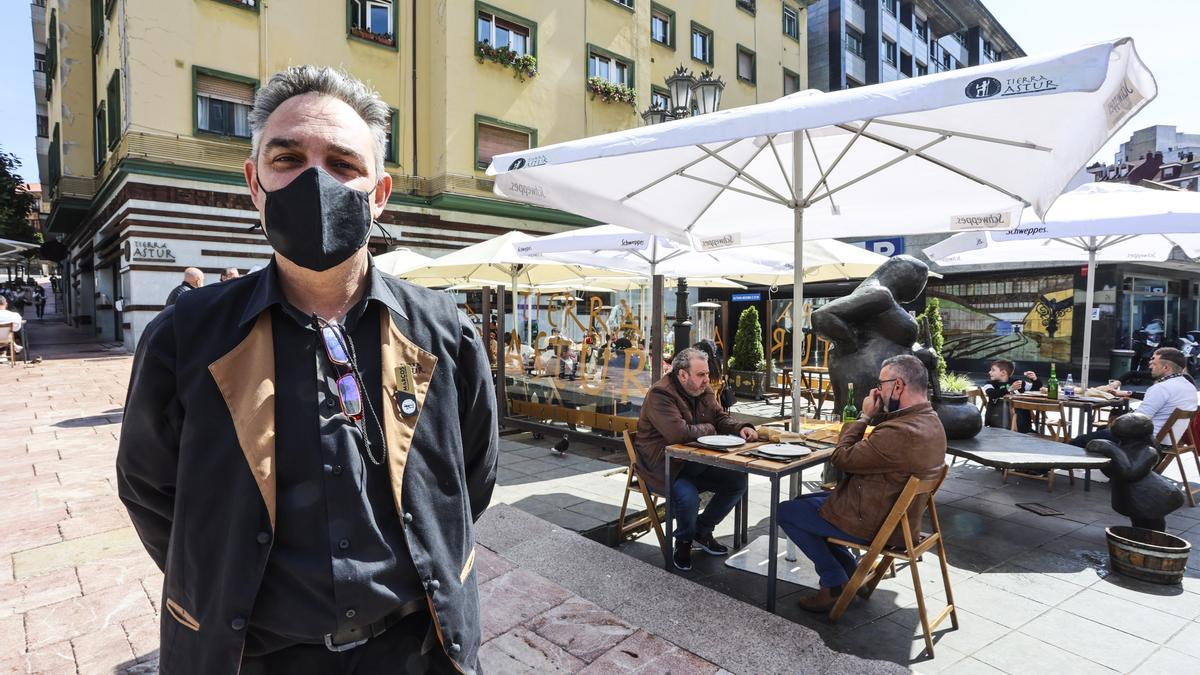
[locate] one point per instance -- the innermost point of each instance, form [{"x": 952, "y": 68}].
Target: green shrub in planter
[{"x": 747, "y": 366}]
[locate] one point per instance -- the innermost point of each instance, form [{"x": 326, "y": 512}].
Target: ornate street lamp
[
  {"x": 656, "y": 115},
  {"x": 680, "y": 85},
  {"x": 708, "y": 93}
]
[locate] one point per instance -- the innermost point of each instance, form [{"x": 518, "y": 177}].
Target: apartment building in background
[
  {"x": 146, "y": 114},
  {"x": 856, "y": 42}
]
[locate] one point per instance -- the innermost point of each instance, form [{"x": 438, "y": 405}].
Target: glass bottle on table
[
  {"x": 1052, "y": 384},
  {"x": 849, "y": 411},
  {"x": 1069, "y": 387}
]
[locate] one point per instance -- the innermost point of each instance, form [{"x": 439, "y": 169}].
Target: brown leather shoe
[{"x": 822, "y": 601}]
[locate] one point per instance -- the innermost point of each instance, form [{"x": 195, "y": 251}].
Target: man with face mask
[
  {"x": 306, "y": 448},
  {"x": 908, "y": 440}
]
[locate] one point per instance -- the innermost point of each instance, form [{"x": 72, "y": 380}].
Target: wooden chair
[
  {"x": 1173, "y": 448},
  {"x": 878, "y": 557},
  {"x": 1050, "y": 421},
  {"x": 8, "y": 343},
  {"x": 633, "y": 482}
]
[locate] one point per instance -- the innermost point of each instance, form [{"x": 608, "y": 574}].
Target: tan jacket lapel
[
  {"x": 397, "y": 350},
  {"x": 246, "y": 378}
]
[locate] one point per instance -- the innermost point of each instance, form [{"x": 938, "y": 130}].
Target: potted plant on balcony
[
  {"x": 611, "y": 92},
  {"x": 523, "y": 65},
  {"x": 747, "y": 367}
]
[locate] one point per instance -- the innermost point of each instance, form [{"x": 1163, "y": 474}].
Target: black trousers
[{"x": 399, "y": 650}]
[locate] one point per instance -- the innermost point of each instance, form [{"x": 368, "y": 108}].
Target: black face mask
[
  {"x": 315, "y": 221},
  {"x": 893, "y": 403}
]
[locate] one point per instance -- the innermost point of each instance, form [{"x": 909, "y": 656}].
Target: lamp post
[{"x": 683, "y": 86}]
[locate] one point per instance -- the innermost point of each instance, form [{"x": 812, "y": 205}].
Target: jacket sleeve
[
  {"x": 148, "y": 452},
  {"x": 881, "y": 453},
  {"x": 669, "y": 422},
  {"x": 477, "y": 415},
  {"x": 725, "y": 423}
]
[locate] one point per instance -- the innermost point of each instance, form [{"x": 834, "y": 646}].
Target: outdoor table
[
  {"x": 1088, "y": 405},
  {"x": 1004, "y": 449},
  {"x": 806, "y": 373},
  {"x": 736, "y": 459}
]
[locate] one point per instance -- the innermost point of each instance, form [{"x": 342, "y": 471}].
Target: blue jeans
[
  {"x": 799, "y": 519},
  {"x": 727, "y": 488}
]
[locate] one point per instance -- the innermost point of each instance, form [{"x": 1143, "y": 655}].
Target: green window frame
[
  {"x": 669, "y": 13},
  {"x": 51, "y": 49},
  {"x": 114, "y": 109},
  {"x": 615, "y": 57},
  {"x": 748, "y": 6},
  {"x": 790, "y": 75},
  {"x": 700, "y": 29},
  {"x": 54, "y": 157},
  {"x": 661, "y": 91},
  {"x": 363, "y": 8},
  {"x": 744, "y": 50},
  {"x": 507, "y": 16},
  {"x": 248, "y": 5},
  {"x": 97, "y": 24},
  {"x": 99, "y": 142},
  {"x": 392, "y": 145},
  {"x": 626, "y": 4},
  {"x": 501, "y": 124},
  {"x": 197, "y": 71},
  {"x": 795, "y": 13}
]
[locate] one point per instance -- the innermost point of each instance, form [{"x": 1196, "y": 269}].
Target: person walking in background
[
  {"x": 192, "y": 278},
  {"x": 39, "y": 301}
]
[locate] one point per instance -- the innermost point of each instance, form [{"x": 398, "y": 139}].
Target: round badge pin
[{"x": 408, "y": 406}]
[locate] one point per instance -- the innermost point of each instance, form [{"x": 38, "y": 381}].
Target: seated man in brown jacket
[
  {"x": 680, "y": 408},
  {"x": 908, "y": 440}
]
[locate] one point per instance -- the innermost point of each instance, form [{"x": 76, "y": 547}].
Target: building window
[
  {"x": 659, "y": 98},
  {"x": 662, "y": 25},
  {"x": 43, "y": 126},
  {"x": 373, "y": 20},
  {"x": 114, "y": 109},
  {"x": 39, "y": 63},
  {"x": 961, "y": 37},
  {"x": 624, "y": 3},
  {"x": 791, "y": 23},
  {"x": 500, "y": 32},
  {"x": 889, "y": 51},
  {"x": 923, "y": 30},
  {"x": 746, "y": 65},
  {"x": 493, "y": 137},
  {"x": 223, "y": 105},
  {"x": 54, "y": 157},
  {"x": 390, "y": 150},
  {"x": 747, "y": 5},
  {"x": 990, "y": 52},
  {"x": 610, "y": 68},
  {"x": 891, "y": 6},
  {"x": 854, "y": 42},
  {"x": 791, "y": 82},
  {"x": 99, "y": 141},
  {"x": 702, "y": 43},
  {"x": 922, "y": 69}
]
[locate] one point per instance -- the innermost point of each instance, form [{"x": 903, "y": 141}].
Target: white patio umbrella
[
  {"x": 1097, "y": 222},
  {"x": 961, "y": 150},
  {"x": 400, "y": 260}
]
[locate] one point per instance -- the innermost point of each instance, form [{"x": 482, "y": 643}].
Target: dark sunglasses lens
[
  {"x": 334, "y": 347},
  {"x": 349, "y": 394}
]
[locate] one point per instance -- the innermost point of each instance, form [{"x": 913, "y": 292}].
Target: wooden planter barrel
[{"x": 1157, "y": 557}]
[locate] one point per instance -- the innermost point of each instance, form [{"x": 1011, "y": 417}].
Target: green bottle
[
  {"x": 849, "y": 411},
  {"x": 1052, "y": 384}
]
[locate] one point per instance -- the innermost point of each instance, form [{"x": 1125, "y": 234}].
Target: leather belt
[{"x": 350, "y": 638}]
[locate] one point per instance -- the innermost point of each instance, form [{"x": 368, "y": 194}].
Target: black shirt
[{"x": 339, "y": 558}]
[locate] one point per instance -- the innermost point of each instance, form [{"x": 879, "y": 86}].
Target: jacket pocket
[{"x": 181, "y": 615}]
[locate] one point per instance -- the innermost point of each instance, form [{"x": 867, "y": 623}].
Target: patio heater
[{"x": 706, "y": 320}]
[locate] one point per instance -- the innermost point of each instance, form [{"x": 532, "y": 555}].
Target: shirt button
[
  {"x": 455, "y": 647},
  {"x": 263, "y": 537},
  {"x": 344, "y": 544},
  {"x": 238, "y": 623},
  {"x": 408, "y": 517},
  {"x": 434, "y": 584},
  {"x": 337, "y": 469},
  {"x": 330, "y": 403},
  {"x": 350, "y": 614}
]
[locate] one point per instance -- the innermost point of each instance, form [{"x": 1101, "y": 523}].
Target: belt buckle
[{"x": 344, "y": 647}]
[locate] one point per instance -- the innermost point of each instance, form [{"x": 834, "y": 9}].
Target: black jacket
[{"x": 196, "y": 470}]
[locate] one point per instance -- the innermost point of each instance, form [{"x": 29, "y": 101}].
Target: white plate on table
[
  {"x": 720, "y": 442},
  {"x": 783, "y": 450}
]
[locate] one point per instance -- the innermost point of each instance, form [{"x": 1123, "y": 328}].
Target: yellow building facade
[{"x": 147, "y": 102}]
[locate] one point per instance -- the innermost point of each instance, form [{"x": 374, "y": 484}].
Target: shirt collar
[{"x": 267, "y": 292}]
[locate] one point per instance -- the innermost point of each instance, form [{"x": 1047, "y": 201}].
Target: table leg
[
  {"x": 745, "y": 518},
  {"x": 1087, "y": 480},
  {"x": 737, "y": 524},
  {"x": 669, "y": 525},
  {"x": 773, "y": 544},
  {"x": 793, "y": 490}
]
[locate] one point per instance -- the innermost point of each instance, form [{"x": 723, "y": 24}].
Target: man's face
[
  {"x": 694, "y": 379},
  {"x": 890, "y": 385},
  {"x": 316, "y": 130},
  {"x": 1159, "y": 367}
]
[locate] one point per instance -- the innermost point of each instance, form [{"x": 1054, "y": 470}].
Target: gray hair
[
  {"x": 910, "y": 369},
  {"x": 300, "y": 80},
  {"x": 684, "y": 357}
]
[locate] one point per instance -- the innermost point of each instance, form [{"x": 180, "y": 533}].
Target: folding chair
[
  {"x": 1173, "y": 448},
  {"x": 878, "y": 557},
  {"x": 633, "y": 482},
  {"x": 1046, "y": 427},
  {"x": 8, "y": 343}
]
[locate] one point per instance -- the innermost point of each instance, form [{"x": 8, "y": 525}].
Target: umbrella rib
[
  {"x": 837, "y": 160},
  {"x": 678, "y": 171},
  {"x": 729, "y": 187},
  {"x": 739, "y": 173},
  {"x": 782, "y": 171},
  {"x": 962, "y": 134},
  {"x": 724, "y": 187},
  {"x": 945, "y": 165},
  {"x": 824, "y": 176},
  {"x": 909, "y": 152}
]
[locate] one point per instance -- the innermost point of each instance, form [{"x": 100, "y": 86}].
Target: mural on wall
[{"x": 1026, "y": 320}]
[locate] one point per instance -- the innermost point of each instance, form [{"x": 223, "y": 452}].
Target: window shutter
[
  {"x": 225, "y": 90},
  {"x": 497, "y": 141}
]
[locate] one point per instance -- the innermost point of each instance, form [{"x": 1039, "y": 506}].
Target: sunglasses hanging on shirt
[{"x": 340, "y": 352}]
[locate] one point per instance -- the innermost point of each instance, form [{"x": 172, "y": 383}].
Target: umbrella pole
[
  {"x": 1087, "y": 317},
  {"x": 516, "y": 305},
  {"x": 656, "y": 330},
  {"x": 797, "y": 274}
]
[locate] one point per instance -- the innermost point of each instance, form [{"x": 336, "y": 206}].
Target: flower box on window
[
  {"x": 523, "y": 65},
  {"x": 611, "y": 92},
  {"x": 386, "y": 39}
]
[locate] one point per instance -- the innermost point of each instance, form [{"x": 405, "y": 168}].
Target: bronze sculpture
[{"x": 1140, "y": 494}]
